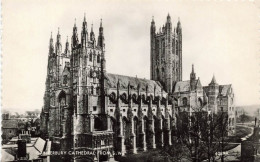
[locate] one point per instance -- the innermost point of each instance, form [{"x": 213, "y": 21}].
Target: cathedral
[{"x": 88, "y": 109}]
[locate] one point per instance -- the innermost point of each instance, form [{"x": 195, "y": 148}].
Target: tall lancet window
[
  {"x": 62, "y": 104},
  {"x": 90, "y": 56},
  {"x": 163, "y": 47},
  {"x": 163, "y": 73}
]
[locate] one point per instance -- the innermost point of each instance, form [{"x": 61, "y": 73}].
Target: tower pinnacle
[{"x": 213, "y": 81}]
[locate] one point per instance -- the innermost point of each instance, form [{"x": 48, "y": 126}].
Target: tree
[{"x": 202, "y": 133}]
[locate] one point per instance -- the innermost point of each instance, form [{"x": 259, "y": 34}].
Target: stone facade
[{"x": 86, "y": 108}]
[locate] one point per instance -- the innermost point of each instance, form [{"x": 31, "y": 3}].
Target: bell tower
[{"x": 166, "y": 54}]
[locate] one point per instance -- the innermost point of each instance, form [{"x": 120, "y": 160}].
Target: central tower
[{"x": 166, "y": 54}]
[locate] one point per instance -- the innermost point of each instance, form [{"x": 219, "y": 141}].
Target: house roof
[
  {"x": 112, "y": 80},
  {"x": 184, "y": 86},
  {"x": 10, "y": 123},
  {"x": 34, "y": 149},
  {"x": 224, "y": 89}
]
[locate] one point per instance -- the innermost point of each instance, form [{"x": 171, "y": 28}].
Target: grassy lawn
[
  {"x": 144, "y": 156},
  {"x": 240, "y": 133}
]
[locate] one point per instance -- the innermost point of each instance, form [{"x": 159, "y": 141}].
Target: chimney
[{"x": 21, "y": 152}]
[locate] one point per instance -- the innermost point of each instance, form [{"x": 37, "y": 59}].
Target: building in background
[{"x": 26, "y": 148}]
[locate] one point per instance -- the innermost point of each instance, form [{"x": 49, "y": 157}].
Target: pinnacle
[
  {"x": 75, "y": 22},
  {"x": 213, "y": 81}
]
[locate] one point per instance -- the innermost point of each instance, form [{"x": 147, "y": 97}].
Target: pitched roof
[
  {"x": 7, "y": 155},
  {"x": 34, "y": 149},
  {"x": 112, "y": 80},
  {"x": 182, "y": 86},
  {"x": 223, "y": 89},
  {"x": 213, "y": 81}
]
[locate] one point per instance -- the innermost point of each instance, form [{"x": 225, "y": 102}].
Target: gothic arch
[
  {"x": 200, "y": 102},
  {"x": 90, "y": 56},
  {"x": 146, "y": 127},
  {"x": 163, "y": 72},
  {"x": 134, "y": 97},
  {"x": 136, "y": 128},
  {"x": 98, "y": 58},
  {"x": 112, "y": 97},
  {"x": 158, "y": 73},
  {"x": 98, "y": 124},
  {"x": 62, "y": 95},
  {"x": 123, "y": 97},
  {"x": 184, "y": 101}
]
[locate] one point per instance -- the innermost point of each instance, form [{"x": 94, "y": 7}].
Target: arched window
[
  {"x": 136, "y": 129},
  {"x": 85, "y": 60},
  {"x": 200, "y": 102},
  {"x": 163, "y": 47},
  {"x": 98, "y": 58},
  {"x": 163, "y": 72},
  {"x": 134, "y": 98},
  {"x": 98, "y": 124},
  {"x": 76, "y": 143},
  {"x": 146, "y": 126},
  {"x": 123, "y": 97},
  {"x": 124, "y": 126},
  {"x": 112, "y": 97},
  {"x": 158, "y": 74},
  {"x": 65, "y": 79},
  {"x": 62, "y": 104},
  {"x": 184, "y": 101},
  {"x": 90, "y": 56},
  {"x": 92, "y": 89}
]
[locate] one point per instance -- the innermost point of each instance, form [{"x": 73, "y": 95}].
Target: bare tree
[{"x": 202, "y": 133}]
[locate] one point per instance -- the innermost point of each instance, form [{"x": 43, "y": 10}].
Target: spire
[
  {"x": 51, "y": 47},
  {"x": 58, "y": 46},
  {"x": 192, "y": 79},
  {"x": 84, "y": 32},
  {"x": 101, "y": 35},
  {"x": 74, "y": 38},
  {"x": 153, "y": 28},
  {"x": 58, "y": 36},
  {"x": 179, "y": 26},
  {"x": 179, "y": 22},
  {"x": 168, "y": 18},
  {"x": 51, "y": 39},
  {"x": 92, "y": 34},
  {"x": 67, "y": 51},
  {"x": 153, "y": 20},
  {"x": 213, "y": 81},
  {"x": 192, "y": 74}
]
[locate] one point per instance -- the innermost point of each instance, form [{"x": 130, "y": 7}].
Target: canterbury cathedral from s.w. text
[{"x": 87, "y": 108}]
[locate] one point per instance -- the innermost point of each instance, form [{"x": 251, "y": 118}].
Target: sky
[{"x": 219, "y": 37}]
